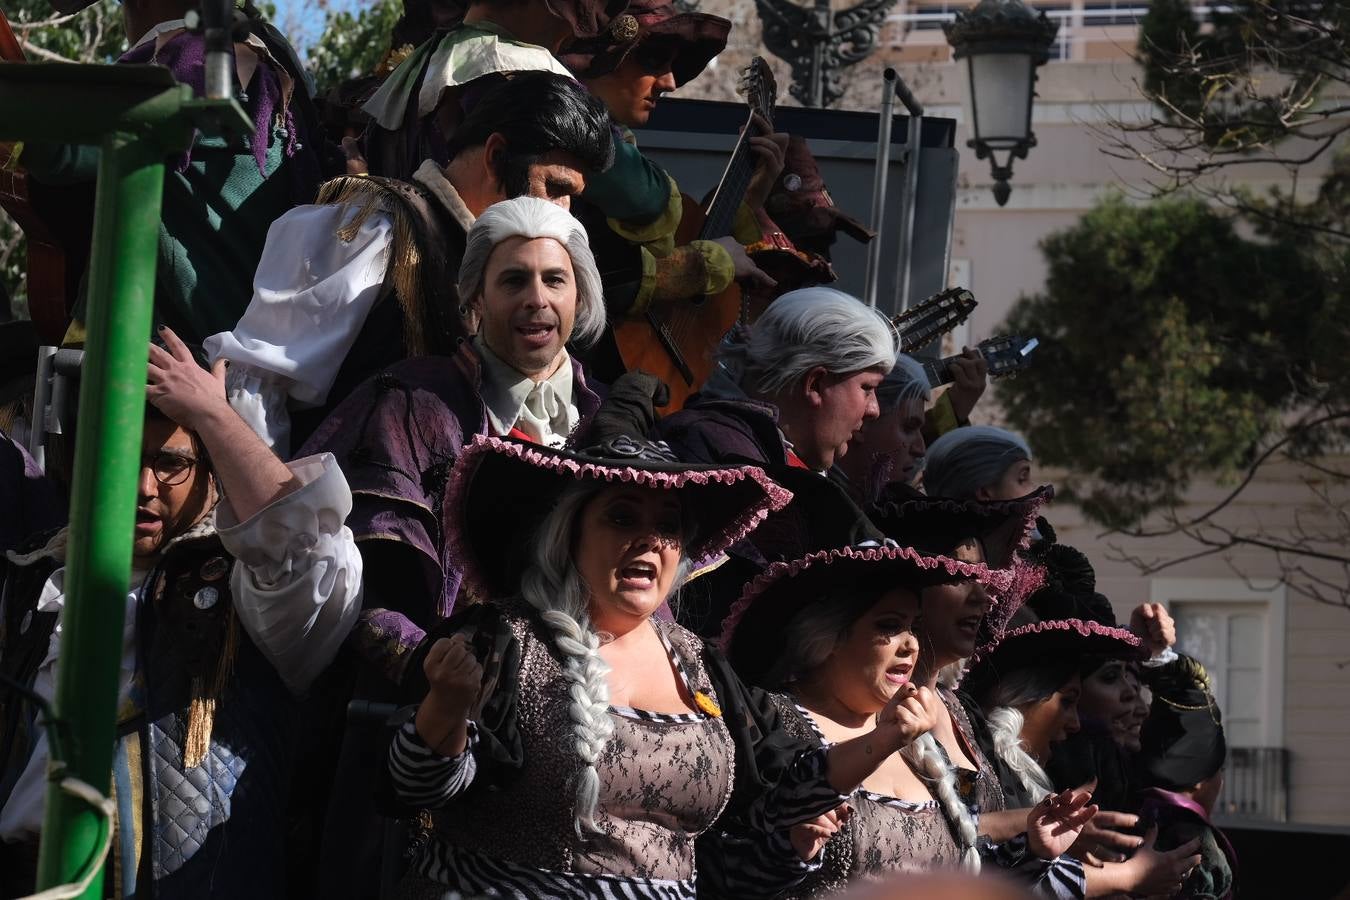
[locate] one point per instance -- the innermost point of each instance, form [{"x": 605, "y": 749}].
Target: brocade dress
[{"x": 503, "y": 810}]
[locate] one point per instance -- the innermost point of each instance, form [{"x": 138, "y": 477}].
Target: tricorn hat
[
  {"x": 752, "y": 635},
  {"x": 1182, "y": 740},
  {"x": 501, "y": 489},
  {"x": 1048, "y": 641},
  {"x": 936, "y": 525}
]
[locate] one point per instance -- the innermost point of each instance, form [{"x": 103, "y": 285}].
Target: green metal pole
[{"x": 103, "y": 496}]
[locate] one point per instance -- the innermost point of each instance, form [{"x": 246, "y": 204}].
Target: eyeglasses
[{"x": 169, "y": 469}]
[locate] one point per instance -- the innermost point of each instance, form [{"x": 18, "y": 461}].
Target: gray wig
[
  {"x": 815, "y": 632},
  {"x": 553, "y": 586},
  {"x": 1005, "y": 704},
  {"x": 966, "y": 459},
  {"x": 805, "y": 328},
  {"x": 531, "y": 218},
  {"x": 906, "y": 381}
]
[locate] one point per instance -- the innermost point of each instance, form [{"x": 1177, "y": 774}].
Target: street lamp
[{"x": 1003, "y": 41}]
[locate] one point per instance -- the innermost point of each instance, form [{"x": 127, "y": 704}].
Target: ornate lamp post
[
  {"x": 1002, "y": 41},
  {"x": 818, "y": 42}
]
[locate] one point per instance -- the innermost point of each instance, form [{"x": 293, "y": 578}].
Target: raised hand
[
  {"x": 455, "y": 676},
  {"x": 912, "y": 712},
  {"x": 1054, "y": 824},
  {"x": 1153, "y": 625},
  {"x": 745, "y": 268},
  {"x": 770, "y": 151},
  {"x": 1107, "y": 838},
  {"x": 180, "y": 388},
  {"x": 356, "y": 160},
  {"x": 970, "y": 377},
  {"x": 809, "y": 838}
]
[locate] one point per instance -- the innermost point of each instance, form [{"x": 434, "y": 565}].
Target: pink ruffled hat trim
[
  {"x": 772, "y": 495},
  {"x": 1085, "y": 628},
  {"x": 781, "y": 571}
]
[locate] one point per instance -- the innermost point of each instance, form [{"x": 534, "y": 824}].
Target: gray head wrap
[{"x": 966, "y": 459}]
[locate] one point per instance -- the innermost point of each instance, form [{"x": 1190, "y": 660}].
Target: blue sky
[{"x": 302, "y": 20}]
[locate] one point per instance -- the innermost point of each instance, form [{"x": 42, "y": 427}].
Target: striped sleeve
[
  {"x": 424, "y": 779},
  {"x": 1061, "y": 878},
  {"x": 802, "y": 793}
]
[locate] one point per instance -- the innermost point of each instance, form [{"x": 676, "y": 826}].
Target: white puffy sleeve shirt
[
  {"x": 297, "y": 578},
  {"x": 312, "y": 292}
]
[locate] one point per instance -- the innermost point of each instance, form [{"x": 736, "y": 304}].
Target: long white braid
[
  {"x": 1005, "y": 726},
  {"x": 553, "y": 586},
  {"x": 940, "y": 774}
]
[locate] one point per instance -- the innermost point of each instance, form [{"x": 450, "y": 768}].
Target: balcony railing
[
  {"x": 1256, "y": 784},
  {"x": 1082, "y": 23}
]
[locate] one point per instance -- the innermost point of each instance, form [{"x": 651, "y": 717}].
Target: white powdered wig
[
  {"x": 531, "y": 218},
  {"x": 1005, "y": 727},
  {"x": 805, "y": 328}
]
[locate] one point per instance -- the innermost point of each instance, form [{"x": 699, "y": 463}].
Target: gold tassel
[
  {"x": 202, "y": 709},
  {"x": 201, "y": 716},
  {"x": 366, "y": 195}
]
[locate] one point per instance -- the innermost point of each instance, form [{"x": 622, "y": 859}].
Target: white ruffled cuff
[{"x": 297, "y": 582}]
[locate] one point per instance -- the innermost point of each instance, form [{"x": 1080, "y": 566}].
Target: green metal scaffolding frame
[{"x": 137, "y": 116}]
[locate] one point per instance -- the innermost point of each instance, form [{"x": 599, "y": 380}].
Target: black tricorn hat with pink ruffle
[
  {"x": 938, "y": 525},
  {"x": 752, "y": 635},
  {"x": 501, "y": 488},
  {"x": 1048, "y": 641}
]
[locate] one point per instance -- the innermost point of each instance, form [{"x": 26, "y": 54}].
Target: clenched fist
[
  {"x": 912, "y": 712},
  {"x": 456, "y": 685},
  {"x": 1154, "y": 627},
  {"x": 455, "y": 677}
]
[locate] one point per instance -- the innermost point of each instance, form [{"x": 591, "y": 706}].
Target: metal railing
[
  {"x": 1075, "y": 24},
  {"x": 1256, "y": 784}
]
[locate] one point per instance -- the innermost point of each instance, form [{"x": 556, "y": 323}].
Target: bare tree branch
[
  {"x": 41, "y": 53},
  {"x": 55, "y": 22}
]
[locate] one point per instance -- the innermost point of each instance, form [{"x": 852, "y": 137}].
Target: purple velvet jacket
[
  {"x": 724, "y": 430},
  {"x": 396, "y": 438}
]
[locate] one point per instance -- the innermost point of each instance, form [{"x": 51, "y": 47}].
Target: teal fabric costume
[{"x": 221, "y": 196}]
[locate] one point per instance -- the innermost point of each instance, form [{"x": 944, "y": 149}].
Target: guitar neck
[
  {"x": 939, "y": 371},
  {"x": 731, "y": 189}
]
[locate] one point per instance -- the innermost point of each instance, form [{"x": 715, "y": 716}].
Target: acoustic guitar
[
  {"x": 676, "y": 342},
  {"x": 1006, "y": 356}
]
